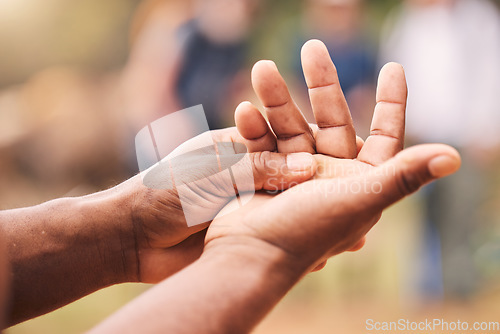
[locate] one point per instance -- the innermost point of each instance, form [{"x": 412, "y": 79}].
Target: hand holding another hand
[
  {"x": 354, "y": 182},
  {"x": 254, "y": 253}
]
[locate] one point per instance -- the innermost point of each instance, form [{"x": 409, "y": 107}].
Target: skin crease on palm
[{"x": 338, "y": 153}]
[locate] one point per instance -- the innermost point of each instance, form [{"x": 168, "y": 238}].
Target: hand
[
  {"x": 334, "y": 135},
  {"x": 329, "y": 215},
  {"x": 255, "y": 253},
  {"x": 164, "y": 242}
]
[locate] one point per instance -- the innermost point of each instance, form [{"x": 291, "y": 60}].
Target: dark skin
[
  {"x": 256, "y": 253},
  {"x": 4, "y": 269},
  {"x": 64, "y": 249},
  {"x": 129, "y": 233},
  {"x": 340, "y": 154}
]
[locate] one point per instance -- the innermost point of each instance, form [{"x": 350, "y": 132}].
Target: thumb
[
  {"x": 409, "y": 170},
  {"x": 227, "y": 165},
  {"x": 273, "y": 171}
]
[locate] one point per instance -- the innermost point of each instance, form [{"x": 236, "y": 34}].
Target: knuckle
[
  {"x": 407, "y": 183},
  {"x": 261, "y": 162},
  {"x": 268, "y": 164}
]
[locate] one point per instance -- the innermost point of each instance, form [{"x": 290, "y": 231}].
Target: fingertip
[
  {"x": 426, "y": 152},
  {"x": 243, "y": 110},
  {"x": 393, "y": 71},
  {"x": 319, "y": 69},
  {"x": 410, "y": 169},
  {"x": 393, "y": 66},
  {"x": 301, "y": 163},
  {"x": 278, "y": 171},
  {"x": 313, "y": 45},
  {"x": 445, "y": 163},
  {"x": 268, "y": 84},
  {"x": 391, "y": 86},
  {"x": 262, "y": 66},
  {"x": 249, "y": 121},
  {"x": 438, "y": 160},
  {"x": 312, "y": 49},
  {"x": 253, "y": 127},
  {"x": 452, "y": 152}
]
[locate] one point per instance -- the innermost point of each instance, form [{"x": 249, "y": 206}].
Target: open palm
[{"x": 355, "y": 181}]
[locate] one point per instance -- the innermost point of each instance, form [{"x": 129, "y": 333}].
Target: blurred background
[{"x": 79, "y": 78}]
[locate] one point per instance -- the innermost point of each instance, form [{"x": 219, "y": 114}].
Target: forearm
[
  {"x": 3, "y": 280},
  {"x": 228, "y": 290},
  {"x": 64, "y": 249}
]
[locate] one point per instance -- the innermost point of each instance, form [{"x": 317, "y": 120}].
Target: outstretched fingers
[
  {"x": 253, "y": 127},
  {"x": 336, "y": 136},
  {"x": 291, "y": 128},
  {"x": 388, "y": 123}
]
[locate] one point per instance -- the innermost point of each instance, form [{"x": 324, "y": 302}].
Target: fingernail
[
  {"x": 299, "y": 161},
  {"x": 443, "y": 165},
  {"x": 269, "y": 62}
]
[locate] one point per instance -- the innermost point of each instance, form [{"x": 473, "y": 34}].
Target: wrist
[
  {"x": 109, "y": 220},
  {"x": 65, "y": 249},
  {"x": 262, "y": 254}
]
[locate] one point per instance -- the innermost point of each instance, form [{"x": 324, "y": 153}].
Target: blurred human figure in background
[
  {"x": 450, "y": 50},
  {"x": 62, "y": 109},
  {"x": 341, "y": 25},
  {"x": 187, "y": 53}
]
